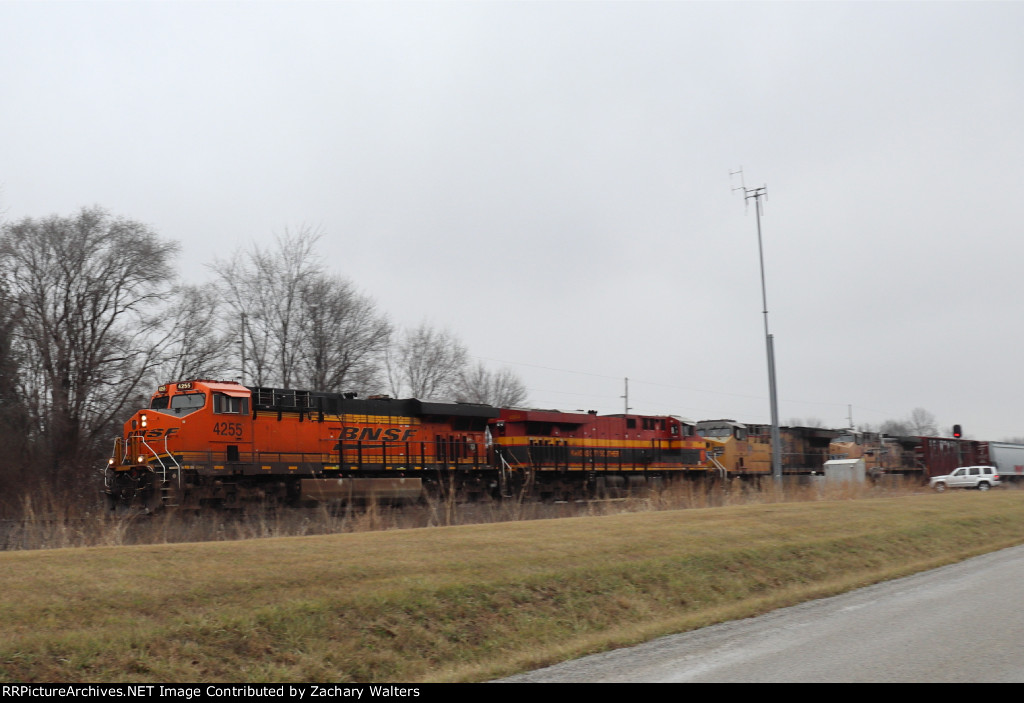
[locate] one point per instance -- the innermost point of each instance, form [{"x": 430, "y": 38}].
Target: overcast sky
[{"x": 551, "y": 181}]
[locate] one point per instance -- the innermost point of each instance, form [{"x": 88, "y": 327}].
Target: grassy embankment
[{"x": 461, "y": 603}]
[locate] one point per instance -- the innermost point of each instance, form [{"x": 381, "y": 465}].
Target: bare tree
[
  {"x": 343, "y": 338},
  {"x": 15, "y": 427},
  {"x": 425, "y": 363},
  {"x": 195, "y": 343},
  {"x": 85, "y": 289},
  {"x": 919, "y": 423},
  {"x": 896, "y": 428},
  {"x": 923, "y": 423},
  {"x": 478, "y": 384},
  {"x": 267, "y": 288}
]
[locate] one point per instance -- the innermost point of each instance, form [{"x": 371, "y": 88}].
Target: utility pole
[
  {"x": 243, "y": 349},
  {"x": 757, "y": 194}
]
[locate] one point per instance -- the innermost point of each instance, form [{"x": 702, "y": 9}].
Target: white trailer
[{"x": 1008, "y": 458}]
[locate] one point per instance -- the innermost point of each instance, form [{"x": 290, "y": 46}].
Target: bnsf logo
[
  {"x": 351, "y": 434},
  {"x": 157, "y": 434}
]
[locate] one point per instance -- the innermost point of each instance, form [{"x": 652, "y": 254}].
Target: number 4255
[{"x": 228, "y": 429}]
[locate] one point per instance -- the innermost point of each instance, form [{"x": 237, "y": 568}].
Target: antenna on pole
[
  {"x": 738, "y": 172},
  {"x": 757, "y": 195},
  {"x": 626, "y": 396}
]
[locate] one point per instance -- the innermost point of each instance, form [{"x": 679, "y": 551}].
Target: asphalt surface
[{"x": 960, "y": 623}]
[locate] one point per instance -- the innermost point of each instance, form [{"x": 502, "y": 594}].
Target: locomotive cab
[
  {"x": 146, "y": 466},
  {"x": 733, "y": 448}
]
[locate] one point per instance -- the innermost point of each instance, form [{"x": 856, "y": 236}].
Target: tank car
[
  {"x": 566, "y": 455},
  {"x": 221, "y": 443}
]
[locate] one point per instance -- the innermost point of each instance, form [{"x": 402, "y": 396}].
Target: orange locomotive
[{"x": 220, "y": 443}]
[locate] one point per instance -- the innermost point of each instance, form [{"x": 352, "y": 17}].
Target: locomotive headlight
[
  {"x": 141, "y": 459},
  {"x": 143, "y": 418},
  {"x": 110, "y": 461}
]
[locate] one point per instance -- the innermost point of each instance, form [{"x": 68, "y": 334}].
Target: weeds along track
[{"x": 50, "y": 524}]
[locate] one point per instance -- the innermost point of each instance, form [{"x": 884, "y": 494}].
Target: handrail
[
  {"x": 504, "y": 473},
  {"x": 720, "y": 467}
]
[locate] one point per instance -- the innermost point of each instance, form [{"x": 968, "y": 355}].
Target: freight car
[
  {"x": 1008, "y": 458},
  {"x": 938, "y": 456},
  {"x": 209, "y": 443}
]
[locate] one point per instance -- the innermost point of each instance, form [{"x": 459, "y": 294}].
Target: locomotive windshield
[
  {"x": 722, "y": 431},
  {"x": 714, "y": 431},
  {"x": 181, "y": 404}
]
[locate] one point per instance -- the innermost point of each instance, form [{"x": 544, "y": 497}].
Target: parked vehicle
[{"x": 980, "y": 477}]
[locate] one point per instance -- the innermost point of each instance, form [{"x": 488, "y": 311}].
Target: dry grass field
[
  {"x": 43, "y": 521},
  {"x": 460, "y": 602}
]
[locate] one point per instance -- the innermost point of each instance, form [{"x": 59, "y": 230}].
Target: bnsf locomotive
[{"x": 224, "y": 444}]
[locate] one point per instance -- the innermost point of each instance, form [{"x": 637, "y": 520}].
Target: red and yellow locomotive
[{"x": 565, "y": 455}]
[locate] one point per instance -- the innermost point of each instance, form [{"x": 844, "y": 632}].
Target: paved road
[{"x": 960, "y": 623}]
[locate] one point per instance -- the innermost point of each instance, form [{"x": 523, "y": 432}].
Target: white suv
[{"x": 980, "y": 477}]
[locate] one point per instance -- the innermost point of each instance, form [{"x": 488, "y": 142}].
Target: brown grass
[
  {"x": 41, "y": 520},
  {"x": 465, "y": 602}
]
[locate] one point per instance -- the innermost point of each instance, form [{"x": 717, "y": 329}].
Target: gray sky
[{"x": 550, "y": 180}]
